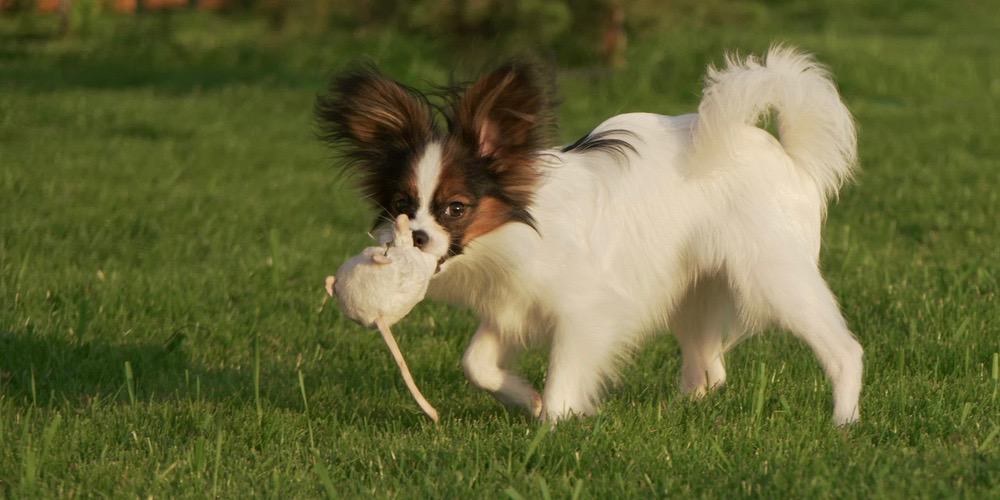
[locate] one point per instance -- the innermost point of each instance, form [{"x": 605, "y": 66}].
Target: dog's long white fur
[{"x": 711, "y": 228}]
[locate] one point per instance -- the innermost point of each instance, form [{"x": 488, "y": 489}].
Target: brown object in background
[
  {"x": 47, "y": 5},
  {"x": 276, "y": 12},
  {"x": 125, "y": 6},
  {"x": 615, "y": 40},
  {"x": 164, "y": 4}
]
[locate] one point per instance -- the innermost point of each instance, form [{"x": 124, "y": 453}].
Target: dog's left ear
[{"x": 504, "y": 116}]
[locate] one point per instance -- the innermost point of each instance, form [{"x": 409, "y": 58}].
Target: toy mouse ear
[
  {"x": 330, "y": 280},
  {"x": 381, "y": 259},
  {"x": 402, "y": 223}
]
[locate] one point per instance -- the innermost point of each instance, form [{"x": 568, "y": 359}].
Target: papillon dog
[{"x": 704, "y": 224}]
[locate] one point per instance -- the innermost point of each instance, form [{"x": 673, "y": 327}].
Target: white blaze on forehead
[{"x": 428, "y": 173}]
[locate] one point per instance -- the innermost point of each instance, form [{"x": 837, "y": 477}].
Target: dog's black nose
[{"x": 420, "y": 238}]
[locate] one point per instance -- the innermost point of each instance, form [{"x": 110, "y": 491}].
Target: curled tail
[{"x": 814, "y": 127}]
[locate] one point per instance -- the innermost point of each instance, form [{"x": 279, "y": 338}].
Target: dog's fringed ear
[
  {"x": 505, "y": 119},
  {"x": 505, "y": 115},
  {"x": 375, "y": 122}
]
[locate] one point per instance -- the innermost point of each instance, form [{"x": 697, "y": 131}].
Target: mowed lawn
[{"x": 167, "y": 217}]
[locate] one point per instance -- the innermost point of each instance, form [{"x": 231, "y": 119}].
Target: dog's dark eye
[
  {"x": 401, "y": 205},
  {"x": 455, "y": 209}
]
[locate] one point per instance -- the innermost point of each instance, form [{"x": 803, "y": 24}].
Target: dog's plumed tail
[{"x": 814, "y": 127}]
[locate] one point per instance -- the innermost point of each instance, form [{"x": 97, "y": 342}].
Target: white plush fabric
[{"x": 384, "y": 282}]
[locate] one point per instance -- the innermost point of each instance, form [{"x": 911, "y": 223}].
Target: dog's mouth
[
  {"x": 442, "y": 263},
  {"x": 444, "y": 259}
]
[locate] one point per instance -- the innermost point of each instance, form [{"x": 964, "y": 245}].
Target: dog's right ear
[{"x": 375, "y": 122}]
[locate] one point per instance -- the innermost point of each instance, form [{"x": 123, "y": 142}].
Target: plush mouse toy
[{"x": 381, "y": 286}]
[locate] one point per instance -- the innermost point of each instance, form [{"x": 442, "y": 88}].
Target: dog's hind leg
[
  {"x": 701, "y": 322},
  {"x": 485, "y": 363},
  {"x": 787, "y": 286}
]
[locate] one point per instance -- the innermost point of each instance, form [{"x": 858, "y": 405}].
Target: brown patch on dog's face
[
  {"x": 491, "y": 213},
  {"x": 467, "y": 200},
  {"x": 496, "y": 129}
]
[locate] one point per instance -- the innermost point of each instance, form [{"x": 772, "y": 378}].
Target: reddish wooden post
[{"x": 615, "y": 39}]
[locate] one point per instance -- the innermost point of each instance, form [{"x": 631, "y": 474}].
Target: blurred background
[
  {"x": 576, "y": 33},
  {"x": 167, "y": 215},
  {"x": 621, "y": 51}
]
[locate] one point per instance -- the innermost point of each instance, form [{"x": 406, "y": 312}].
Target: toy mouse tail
[{"x": 390, "y": 342}]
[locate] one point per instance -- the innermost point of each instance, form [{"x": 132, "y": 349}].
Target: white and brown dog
[{"x": 704, "y": 224}]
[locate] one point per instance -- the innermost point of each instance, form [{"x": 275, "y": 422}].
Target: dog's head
[{"x": 457, "y": 184}]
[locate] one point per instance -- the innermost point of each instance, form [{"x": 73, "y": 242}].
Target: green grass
[{"x": 167, "y": 218}]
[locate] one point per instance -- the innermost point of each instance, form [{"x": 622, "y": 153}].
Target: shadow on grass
[
  {"x": 49, "y": 372},
  {"x": 56, "y": 373}
]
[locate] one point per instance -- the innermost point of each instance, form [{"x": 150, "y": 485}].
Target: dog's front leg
[{"x": 485, "y": 363}]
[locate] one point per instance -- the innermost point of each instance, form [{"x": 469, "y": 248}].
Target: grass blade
[
  {"x": 577, "y": 490},
  {"x": 218, "y": 462},
  {"x": 324, "y": 478},
  {"x": 996, "y": 374},
  {"x": 305, "y": 407},
  {"x": 513, "y": 494},
  {"x": 758, "y": 400},
  {"x": 533, "y": 445},
  {"x": 256, "y": 379},
  {"x": 130, "y": 383},
  {"x": 989, "y": 439},
  {"x": 34, "y": 389},
  {"x": 275, "y": 244},
  {"x": 543, "y": 487}
]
